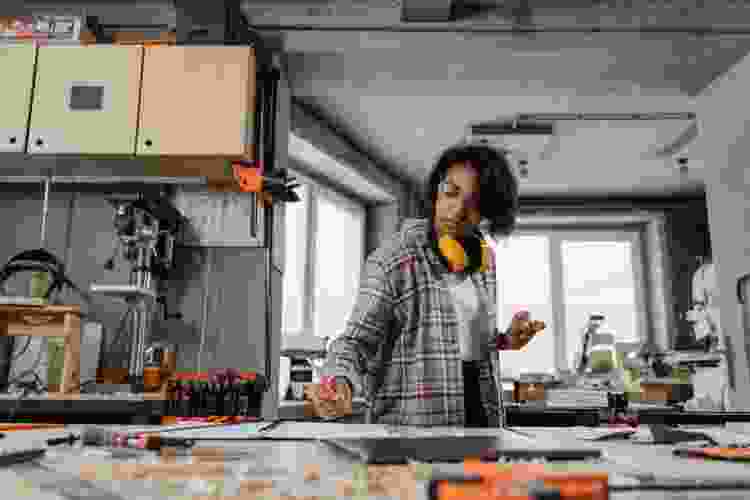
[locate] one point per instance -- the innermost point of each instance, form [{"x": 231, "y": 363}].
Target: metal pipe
[
  {"x": 45, "y": 210},
  {"x": 141, "y": 279},
  {"x": 605, "y": 116},
  {"x": 270, "y": 103},
  {"x": 514, "y": 30}
]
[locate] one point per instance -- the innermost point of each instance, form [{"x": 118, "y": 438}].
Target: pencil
[{"x": 29, "y": 427}]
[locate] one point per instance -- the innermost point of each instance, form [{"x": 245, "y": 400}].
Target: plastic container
[
  {"x": 589, "y": 330},
  {"x": 284, "y": 372},
  {"x": 301, "y": 374},
  {"x": 602, "y": 355},
  {"x": 39, "y": 284}
]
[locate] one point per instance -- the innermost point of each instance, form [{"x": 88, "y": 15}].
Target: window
[
  {"x": 562, "y": 276},
  {"x": 598, "y": 276},
  {"x": 325, "y": 235},
  {"x": 526, "y": 286},
  {"x": 338, "y": 257}
]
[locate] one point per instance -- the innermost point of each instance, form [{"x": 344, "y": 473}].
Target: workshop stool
[{"x": 49, "y": 321}]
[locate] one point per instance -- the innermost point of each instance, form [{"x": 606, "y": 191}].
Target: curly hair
[{"x": 498, "y": 186}]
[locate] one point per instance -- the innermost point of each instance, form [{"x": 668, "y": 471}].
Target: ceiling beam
[{"x": 438, "y": 27}]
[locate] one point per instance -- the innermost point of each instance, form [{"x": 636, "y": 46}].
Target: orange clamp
[{"x": 249, "y": 176}]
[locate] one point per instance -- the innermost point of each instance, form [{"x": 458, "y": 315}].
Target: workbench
[{"x": 277, "y": 468}]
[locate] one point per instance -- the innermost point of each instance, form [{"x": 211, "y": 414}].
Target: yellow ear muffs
[
  {"x": 460, "y": 260},
  {"x": 454, "y": 253}
]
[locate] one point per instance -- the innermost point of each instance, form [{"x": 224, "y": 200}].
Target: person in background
[{"x": 419, "y": 340}]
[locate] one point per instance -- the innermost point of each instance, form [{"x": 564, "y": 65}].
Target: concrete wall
[{"x": 724, "y": 148}]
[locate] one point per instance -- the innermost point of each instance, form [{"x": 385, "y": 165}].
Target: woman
[{"x": 419, "y": 340}]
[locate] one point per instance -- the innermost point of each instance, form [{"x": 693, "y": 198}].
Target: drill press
[{"x": 145, "y": 230}]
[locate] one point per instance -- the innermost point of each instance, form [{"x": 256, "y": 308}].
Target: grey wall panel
[
  {"x": 185, "y": 296},
  {"x": 271, "y": 398},
  {"x": 235, "y": 309}
]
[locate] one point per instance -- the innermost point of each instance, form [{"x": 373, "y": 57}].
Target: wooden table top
[
  {"x": 40, "y": 309},
  {"x": 313, "y": 469}
]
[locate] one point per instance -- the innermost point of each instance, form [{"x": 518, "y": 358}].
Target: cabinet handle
[
  {"x": 39, "y": 142},
  {"x": 12, "y": 140},
  {"x": 148, "y": 142}
]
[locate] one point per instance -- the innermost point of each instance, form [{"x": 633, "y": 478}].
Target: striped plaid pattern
[{"x": 401, "y": 340}]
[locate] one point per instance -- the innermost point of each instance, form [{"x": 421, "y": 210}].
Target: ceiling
[{"x": 403, "y": 96}]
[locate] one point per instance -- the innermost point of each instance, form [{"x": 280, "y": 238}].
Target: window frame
[
  {"x": 315, "y": 189},
  {"x": 306, "y": 197},
  {"x": 633, "y": 233}
]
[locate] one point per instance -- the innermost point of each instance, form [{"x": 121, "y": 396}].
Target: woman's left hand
[{"x": 523, "y": 329}]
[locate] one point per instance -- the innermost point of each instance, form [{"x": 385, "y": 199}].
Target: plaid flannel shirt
[{"x": 400, "y": 346}]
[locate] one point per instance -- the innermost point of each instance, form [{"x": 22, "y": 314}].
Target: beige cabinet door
[
  {"x": 17, "y": 70},
  {"x": 197, "y": 101},
  {"x": 86, "y": 100}
]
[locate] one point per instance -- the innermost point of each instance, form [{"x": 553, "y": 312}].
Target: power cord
[
  {"x": 23, "y": 351},
  {"x": 122, "y": 325}
]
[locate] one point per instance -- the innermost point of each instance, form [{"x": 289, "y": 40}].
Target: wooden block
[
  {"x": 72, "y": 366},
  {"x": 656, "y": 392},
  {"x": 529, "y": 392},
  {"x": 112, "y": 376},
  {"x": 312, "y": 472}
]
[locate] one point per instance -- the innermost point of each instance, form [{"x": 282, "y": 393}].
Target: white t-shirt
[{"x": 473, "y": 316}]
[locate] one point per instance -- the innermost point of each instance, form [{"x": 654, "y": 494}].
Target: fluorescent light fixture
[
  {"x": 567, "y": 220},
  {"x": 328, "y": 167},
  {"x": 431, "y": 11},
  {"x": 522, "y": 138}
]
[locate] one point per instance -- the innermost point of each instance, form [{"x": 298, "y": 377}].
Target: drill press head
[{"x": 147, "y": 227}]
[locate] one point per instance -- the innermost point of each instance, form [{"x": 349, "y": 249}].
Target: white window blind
[
  {"x": 325, "y": 234},
  {"x": 523, "y": 283},
  {"x": 338, "y": 257}
]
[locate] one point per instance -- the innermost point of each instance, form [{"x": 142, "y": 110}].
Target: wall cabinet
[
  {"x": 197, "y": 101},
  {"x": 86, "y": 100},
  {"x": 17, "y": 70},
  {"x": 184, "y": 111}
]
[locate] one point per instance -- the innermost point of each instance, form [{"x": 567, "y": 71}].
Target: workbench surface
[{"x": 73, "y": 472}]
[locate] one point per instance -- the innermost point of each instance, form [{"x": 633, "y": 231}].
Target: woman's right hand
[{"x": 334, "y": 397}]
